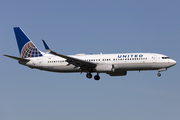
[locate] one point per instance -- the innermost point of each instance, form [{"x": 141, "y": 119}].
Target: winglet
[{"x": 46, "y": 47}]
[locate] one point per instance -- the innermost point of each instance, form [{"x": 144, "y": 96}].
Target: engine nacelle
[
  {"x": 105, "y": 68},
  {"x": 118, "y": 73}
]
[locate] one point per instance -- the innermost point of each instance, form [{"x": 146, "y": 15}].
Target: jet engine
[{"x": 105, "y": 68}]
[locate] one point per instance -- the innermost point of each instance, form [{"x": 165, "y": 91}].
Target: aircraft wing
[
  {"x": 84, "y": 65},
  {"x": 17, "y": 58}
]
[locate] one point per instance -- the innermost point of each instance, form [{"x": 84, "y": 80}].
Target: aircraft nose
[{"x": 173, "y": 62}]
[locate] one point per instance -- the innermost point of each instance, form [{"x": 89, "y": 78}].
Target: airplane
[{"x": 112, "y": 64}]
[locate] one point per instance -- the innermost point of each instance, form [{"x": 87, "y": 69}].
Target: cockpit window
[{"x": 165, "y": 57}]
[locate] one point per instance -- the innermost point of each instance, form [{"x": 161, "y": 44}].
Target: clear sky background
[{"x": 94, "y": 26}]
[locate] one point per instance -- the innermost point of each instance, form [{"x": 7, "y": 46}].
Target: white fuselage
[
  {"x": 120, "y": 62},
  {"x": 112, "y": 64}
]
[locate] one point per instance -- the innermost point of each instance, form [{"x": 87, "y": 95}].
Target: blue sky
[{"x": 71, "y": 27}]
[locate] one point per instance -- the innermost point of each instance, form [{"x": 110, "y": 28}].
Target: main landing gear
[
  {"x": 96, "y": 77},
  {"x": 89, "y": 75}
]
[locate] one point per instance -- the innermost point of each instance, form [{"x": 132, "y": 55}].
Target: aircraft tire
[
  {"x": 89, "y": 75},
  {"x": 159, "y": 74},
  {"x": 96, "y": 77}
]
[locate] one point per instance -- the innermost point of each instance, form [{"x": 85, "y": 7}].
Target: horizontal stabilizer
[{"x": 17, "y": 58}]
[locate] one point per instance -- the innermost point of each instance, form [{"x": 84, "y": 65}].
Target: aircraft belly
[{"x": 61, "y": 68}]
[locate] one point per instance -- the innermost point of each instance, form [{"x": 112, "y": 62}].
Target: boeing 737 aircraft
[{"x": 112, "y": 64}]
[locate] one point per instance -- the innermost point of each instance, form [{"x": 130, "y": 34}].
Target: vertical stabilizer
[{"x": 26, "y": 47}]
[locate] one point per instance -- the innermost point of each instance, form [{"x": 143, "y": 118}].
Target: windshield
[{"x": 165, "y": 57}]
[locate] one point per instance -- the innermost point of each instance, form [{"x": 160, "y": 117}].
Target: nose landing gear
[
  {"x": 159, "y": 70},
  {"x": 159, "y": 74}
]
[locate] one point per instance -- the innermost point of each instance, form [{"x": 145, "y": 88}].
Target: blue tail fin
[{"x": 26, "y": 47}]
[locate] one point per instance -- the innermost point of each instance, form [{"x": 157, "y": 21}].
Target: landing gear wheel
[
  {"x": 89, "y": 75},
  {"x": 159, "y": 74},
  {"x": 96, "y": 77}
]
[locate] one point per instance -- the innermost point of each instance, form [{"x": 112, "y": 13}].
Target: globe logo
[{"x": 29, "y": 50}]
